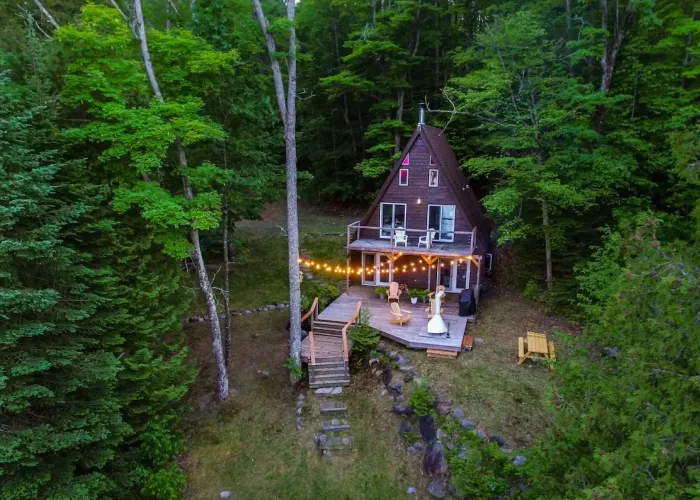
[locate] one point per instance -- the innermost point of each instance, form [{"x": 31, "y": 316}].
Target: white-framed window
[
  {"x": 391, "y": 216},
  {"x": 432, "y": 161},
  {"x": 406, "y": 159},
  {"x": 433, "y": 177},
  {"x": 403, "y": 177},
  {"x": 488, "y": 261},
  {"x": 441, "y": 218}
]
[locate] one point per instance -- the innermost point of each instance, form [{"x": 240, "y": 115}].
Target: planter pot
[
  {"x": 425, "y": 300},
  {"x": 414, "y": 300},
  {"x": 381, "y": 296}
]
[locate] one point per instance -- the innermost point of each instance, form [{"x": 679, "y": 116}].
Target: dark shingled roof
[{"x": 439, "y": 147}]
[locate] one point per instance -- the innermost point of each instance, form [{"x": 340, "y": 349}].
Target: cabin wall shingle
[{"x": 417, "y": 215}]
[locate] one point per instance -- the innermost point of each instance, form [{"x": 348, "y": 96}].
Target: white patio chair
[
  {"x": 427, "y": 240},
  {"x": 400, "y": 236}
]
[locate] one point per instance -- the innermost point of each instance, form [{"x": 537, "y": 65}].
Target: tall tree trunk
[
  {"x": 399, "y": 118},
  {"x": 611, "y": 50},
  {"x": 292, "y": 215},
  {"x": 547, "y": 242},
  {"x": 47, "y": 14},
  {"x": 346, "y": 116},
  {"x": 196, "y": 252},
  {"x": 289, "y": 115},
  {"x": 227, "y": 285},
  {"x": 567, "y": 6}
]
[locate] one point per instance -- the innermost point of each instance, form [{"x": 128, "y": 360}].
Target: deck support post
[
  {"x": 477, "y": 261},
  {"x": 347, "y": 274}
]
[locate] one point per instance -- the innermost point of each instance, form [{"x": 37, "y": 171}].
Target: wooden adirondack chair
[
  {"x": 393, "y": 292},
  {"x": 399, "y": 315},
  {"x": 431, "y": 310}
]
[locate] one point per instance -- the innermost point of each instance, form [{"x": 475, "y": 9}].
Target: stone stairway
[
  {"x": 334, "y": 438},
  {"x": 330, "y": 369}
]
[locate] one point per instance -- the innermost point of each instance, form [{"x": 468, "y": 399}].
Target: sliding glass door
[
  {"x": 453, "y": 274},
  {"x": 392, "y": 215},
  {"x": 441, "y": 218}
]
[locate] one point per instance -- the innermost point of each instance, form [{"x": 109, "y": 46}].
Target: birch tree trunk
[
  {"x": 196, "y": 252},
  {"x": 288, "y": 113},
  {"x": 292, "y": 215},
  {"x": 227, "y": 286},
  {"x": 547, "y": 243}
]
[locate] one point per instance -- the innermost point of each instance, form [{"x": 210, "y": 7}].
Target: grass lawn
[
  {"x": 258, "y": 272},
  {"x": 250, "y": 445}
]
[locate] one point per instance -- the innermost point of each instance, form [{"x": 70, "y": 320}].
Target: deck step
[
  {"x": 319, "y": 377},
  {"x": 331, "y": 332},
  {"x": 437, "y": 353},
  {"x": 329, "y": 323},
  {"x": 329, "y": 383},
  {"x": 334, "y": 372},
  {"x": 334, "y": 407},
  {"x": 335, "y": 425},
  {"x": 328, "y": 359},
  {"x": 324, "y": 364}
]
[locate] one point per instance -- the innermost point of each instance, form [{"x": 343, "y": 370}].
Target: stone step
[
  {"x": 335, "y": 425},
  {"x": 332, "y": 407},
  {"x": 335, "y": 445}
]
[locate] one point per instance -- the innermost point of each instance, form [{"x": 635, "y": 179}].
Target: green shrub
[
  {"x": 364, "y": 340},
  {"x": 381, "y": 290},
  {"x": 325, "y": 292},
  {"x": 415, "y": 293},
  {"x": 421, "y": 400},
  {"x": 533, "y": 291},
  {"x": 486, "y": 472}
]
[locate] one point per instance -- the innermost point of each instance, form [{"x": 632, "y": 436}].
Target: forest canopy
[{"x": 121, "y": 155}]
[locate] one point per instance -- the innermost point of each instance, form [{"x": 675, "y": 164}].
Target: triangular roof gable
[{"x": 446, "y": 163}]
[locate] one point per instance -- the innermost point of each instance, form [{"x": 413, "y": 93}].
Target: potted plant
[
  {"x": 424, "y": 296},
  {"x": 381, "y": 291},
  {"x": 414, "y": 294}
]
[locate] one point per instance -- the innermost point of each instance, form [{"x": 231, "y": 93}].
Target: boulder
[
  {"x": 438, "y": 488},
  {"x": 434, "y": 462},
  {"x": 408, "y": 377},
  {"x": 442, "y": 406},
  {"x": 518, "y": 460},
  {"x": 411, "y": 490},
  {"x": 405, "y": 427},
  {"x": 427, "y": 427},
  {"x": 264, "y": 373},
  {"x": 458, "y": 413},
  {"x": 611, "y": 352},
  {"x": 402, "y": 410},
  {"x": 225, "y": 494},
  {"x": 387, "y": 375},
  {"x": 467, "y": 424},
  {"x": 498, "y": 440},
  {"x": 396, "y": 389}
]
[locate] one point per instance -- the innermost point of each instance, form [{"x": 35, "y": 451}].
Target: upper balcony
[{"x": 410, "y": 241}]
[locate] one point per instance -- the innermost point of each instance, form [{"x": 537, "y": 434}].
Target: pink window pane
[
  {"x": 403, "y": 177},
  {"x": 406, "y": 160}
]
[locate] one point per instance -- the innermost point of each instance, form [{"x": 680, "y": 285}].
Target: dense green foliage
[{"x": 579, "y": 123}]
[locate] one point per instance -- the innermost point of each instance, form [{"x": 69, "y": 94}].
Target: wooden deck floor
[{"x": 413, "y": 334}]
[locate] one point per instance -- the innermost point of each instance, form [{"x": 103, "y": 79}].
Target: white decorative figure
[{"x": 436, "y": 325}]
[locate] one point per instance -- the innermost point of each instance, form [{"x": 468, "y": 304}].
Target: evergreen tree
[{"x": 60, "y": 414}]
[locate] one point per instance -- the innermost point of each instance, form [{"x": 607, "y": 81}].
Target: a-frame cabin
[{"x": 425, "y": 227}]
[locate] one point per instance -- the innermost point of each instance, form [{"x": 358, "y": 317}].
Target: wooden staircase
[
  {"x": 327, "y": 349},
  {"x": 330, "y": 368}
]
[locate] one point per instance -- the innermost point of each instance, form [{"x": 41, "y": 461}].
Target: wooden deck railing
[
  {"x": 354, "y": 233},
  {"x": 311, "y": 315},
  {"x": 352, "y": 321}
]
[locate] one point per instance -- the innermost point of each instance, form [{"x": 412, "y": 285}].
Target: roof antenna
[{"x": 421, "y": 116}]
